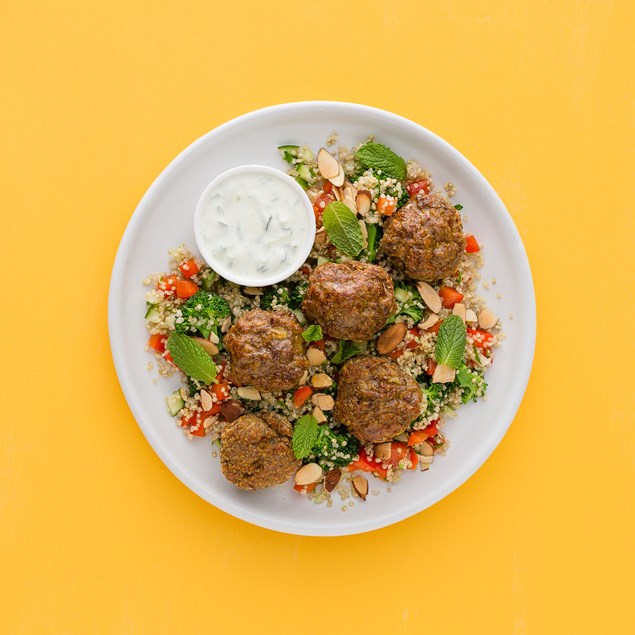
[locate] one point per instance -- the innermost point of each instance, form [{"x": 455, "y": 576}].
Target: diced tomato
[
  {"x": 435, "y": 327},
  {"x": 321, "y": 344},
  {"x": 415, "y": 332},
  {"x": 431, "y": 367},
  {"x": 417, "y": 437},
  {"x": 189, "y": 268},
  {"x": 305, "y": 488},
  {"x": 319, "y": 205},
  {"x": 414, "y": 459},
  {"x": 167, "y": 284},
  {"x": 482, "y": 339},
  {"x": 432, "y": 429},
  {"x": 397, "y": 353},
  {"x": 471, "y": 246},
  {"x": 167, "y": 356},
  {"x": 449, "y": 296},
  {"x": 221, "y": 372},
  {"x": 365, "y": 464},
  {"x": 301, "y": 395},
  {"x": 214, "y": 410},
  {"x": 418, "y": 186},
  {"x": 327, "y": 187},
  {"x": 386, "y": 205},
  {"x": 185, "y": 288},
  {"x": 221, "y": 391},
  {"x": 198, "y": 430},
  {"x": 306, "y": 270},
  {"x": 398, "y": 452},
  {"x": 157, "y": 342}
]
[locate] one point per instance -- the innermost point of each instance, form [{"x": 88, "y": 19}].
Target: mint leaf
[
  {"x": 345, "y": 350},
  {"x": 343, "y": 229},
  {"x": 313, "y": 333},
  {"x": 458, "y": 207},
  {"x": 305, "y": 434},
  {"x": 191, "y": 358},
  {"x": 451, "y": 342},
  {"x": 381, "y": 157}
]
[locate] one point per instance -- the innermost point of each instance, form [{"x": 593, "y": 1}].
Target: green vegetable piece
[
  {"x": 305, "y": 433},
  {"x": 334, "y": 449},
  {"x": 371, "y": 250},
  {"x": 381, "y": 157},
  {"x": 203, "y": 312},
  {"x": 345, "y": 350},
  {"x": 451, "y": 342},
  {"x": 191, "y": 358},
  {"x": 472, "y": 382},
  {"x": 313, "y": 333},
  {"x": 343, "y": 229},
  {"x": 288, "y": 153},
  {"x": 458, "y": 207}
]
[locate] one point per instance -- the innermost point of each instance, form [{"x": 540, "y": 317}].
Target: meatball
[
  {"x": 424, "y": 239},
  {"x": 256, "y": 451},
  {"x": 350, "y": 301},
  {"x": 376, "y": 400}
]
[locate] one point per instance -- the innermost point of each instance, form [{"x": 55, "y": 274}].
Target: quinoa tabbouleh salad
[{"x": 352, "y": 364}]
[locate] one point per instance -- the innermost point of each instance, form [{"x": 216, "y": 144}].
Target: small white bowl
[{"x": 234, "y": 276}]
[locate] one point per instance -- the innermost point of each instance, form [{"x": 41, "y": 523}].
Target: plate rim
[{"x": 280, "y": 525}]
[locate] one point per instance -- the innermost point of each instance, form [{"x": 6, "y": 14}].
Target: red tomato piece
[
  {"x": 301, "y": 395},
  {"x": 471, "y": 246},
  {"x": 418, "y": 186},
  {"x": 157, "y": 342},
  {"x": 319, "y": 205},
  {"x": 185, "y": 289},
  {"x": 189, "y": 268},
  {"x": 450, "y": 296}
]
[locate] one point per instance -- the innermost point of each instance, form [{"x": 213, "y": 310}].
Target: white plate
[{"x": 164, "y": 219}]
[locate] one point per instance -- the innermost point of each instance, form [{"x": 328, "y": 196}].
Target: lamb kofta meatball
[
  {"x": 256, "y": 451},
  {"x": 267, "y": 350},
  {"x": 424, "y": 239},
  {"x": 376, "y": 400},
  {"x": 350, "y": 301}
]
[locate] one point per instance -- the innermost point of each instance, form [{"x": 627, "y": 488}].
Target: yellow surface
[{"x": 96, "y": 535}]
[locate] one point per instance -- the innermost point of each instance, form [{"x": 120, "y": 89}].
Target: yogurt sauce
[{"x": 254, "y": 226}]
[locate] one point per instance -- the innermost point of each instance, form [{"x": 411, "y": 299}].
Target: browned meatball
[
  {"x": 376, "y": 400},
  {"x": 350, "y": 301},
  {"x": 267, "y": 350},
  {"x": 256, "y": 451},
  {"x": 424, "y": 238}
]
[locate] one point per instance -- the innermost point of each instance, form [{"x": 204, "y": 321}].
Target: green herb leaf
[
  {"x": 313, "y": 333},
  {"x": 345, "y": 350},
  {"x": 381, "y": 157},
  {"x": 305, "y": 434},
  {"x": 451, "y": 342},
  {"x": 343, "y": 229},
  {"x": 191, "y": 358},
  {"x": 459, "y": 207}
]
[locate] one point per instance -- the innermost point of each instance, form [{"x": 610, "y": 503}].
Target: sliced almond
[
  {"x": 425, "y": 449},
  {"x": 337, "y": 193},
  {"x": 443, "y": 374},
  {"x": 322, "y": 401},
  {"x": 360, "y": 486},
  {"x": 308, "y": 474},
  {"x": 321, "y": 380},
  {"x": 213, "y": 338},
  {"x": 253, "y": 291},
  {"x": 249, "y": 392},
  {"x": 319, "y": 415},
  {"x": 429, "y": 322},
  {"x": 425, "y": 459},
  {"x": 338, "y": 180},
  {"x": 383, "y": 451},
  {"x": 303, "y": 379},
  {"x": 332, "y": 479},
  {"x": 470, "y": 316},
  {"x": 226, "y": 325},
  {"x": 362, "y": 202},
  {"x": 486, "y": 319},
  {"x": 459, "y": 309},
  {"x": 391, "y": 338},
  {"x": 209, "y": 347},
  {"x": 349, "y": 189},
  {"x": 350, "y": 203},
  {"x": 207, "y": 403},
  {"x": 429, "y": 296},
  {"x": 184, "y": 394},
  {"x": 328, "y": 165},
  {"x": 315, "y": 356}
]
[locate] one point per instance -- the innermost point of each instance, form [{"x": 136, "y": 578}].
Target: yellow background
[{"x": 96, "y": 535}]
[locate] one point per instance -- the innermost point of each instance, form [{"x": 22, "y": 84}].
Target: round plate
[{"x": 164, "y": 219}]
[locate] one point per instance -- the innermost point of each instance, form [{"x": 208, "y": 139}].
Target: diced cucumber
[
  {"x": 402, "y": 295},
  {"x": 321, "y": 260},
  {"x": 291, "y": 149},
  {"x": 302, "y": 183},
  {"x": 300, "y": 316},
  {"x": 288, "y": 153},
  {"x": 208, "y": 278},
  {"x": 175, "y": 403},
  {"x": 304, "y": 172},
  {"x": 152, "y": 313},
  {"x": 307, "y": 156}
]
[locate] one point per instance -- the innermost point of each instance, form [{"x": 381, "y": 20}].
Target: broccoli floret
[
  {"x": 202, "y": 313},
  {"x": 472, "y": 382},
  {"x": 278, "y": 294},
  {"x": 434, "y": 395},
  {"x": 409, "y": 303},
  {"x": 297, "y": 295},
  {"x": 334, "y": 449}
]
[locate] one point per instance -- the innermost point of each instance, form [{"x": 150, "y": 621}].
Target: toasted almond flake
[
  {"x": 321, "y": 380},
  {"x": 315, "y": 356},
  {"x": 429, "y": 296},
  {"x": 350, "y": 203},
  {"x": 319, "y": 415},
  {"x": 209, "y": 347},
  {"x": 425, "y": 459},
  {"x": 332, "y": 479},
  {"x": 443, "y": 374},
  {"x": 360, "y": 486},
  {"x": 338, "y": 180},
  {"x": 322, "y": 401},
  {"x": 337, "y": 193},
  {"x": 253, "y": 291},
  {"x": 249, "y": 392},
  {"x": 328, "y": 165},
  {"x": 183, "y": 394},
  {"x": 207, "y": 403},
  {"x": 363, "y": 201},
  {"x": 470, "y": 316},
  {"x": 209, "y": 422},
  {"x": 391, "y": 338},
  {"x": 383, "y": 450},
  {"x": 486, "y": 319},
  {"x": 308, "y": 474},
  {"x": 430, "y": 321},
  {"x": 213, "y": 338},
  {"x": 226, "y": 325},
  {"x": 303, "y": 379},
  {"x": 425, "y": 449},
  {"x": 459, "y": 309}
]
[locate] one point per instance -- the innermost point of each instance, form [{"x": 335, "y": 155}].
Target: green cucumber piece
[
  {"x": 152, "y": 313},
  {"x": 175, "y": 403},
  {"x": 402, "y": 295},
  {"x": 304, "y": 172}
]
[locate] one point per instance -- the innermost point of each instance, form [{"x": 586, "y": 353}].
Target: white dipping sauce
[{"x": 254, "y": 226}]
